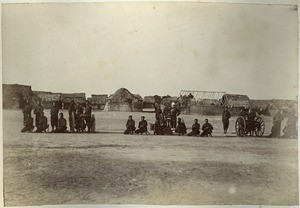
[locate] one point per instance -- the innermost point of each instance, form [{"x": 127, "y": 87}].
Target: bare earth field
[{"x": 112, "y": 168}]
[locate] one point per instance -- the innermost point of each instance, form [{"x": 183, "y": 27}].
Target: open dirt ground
[{"x": 110, "y": 167}]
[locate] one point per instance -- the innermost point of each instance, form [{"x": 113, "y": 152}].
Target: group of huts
[{"x": 14, "y": 97}]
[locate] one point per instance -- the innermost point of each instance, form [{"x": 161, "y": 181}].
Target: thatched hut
[
  {"x": 98, "y": 101},
  {"x": 67, "y": 98},
  {"x": 48, "y": 98},
  {"x": 123, "y": 100},
  {"x": 15, "y": 96}
]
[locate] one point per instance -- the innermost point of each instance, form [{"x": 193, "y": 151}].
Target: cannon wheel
[
  {"x": 259, "y": 127},
  {"x": 240, "y": 126}
]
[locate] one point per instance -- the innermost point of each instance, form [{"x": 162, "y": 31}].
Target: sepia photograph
[{"x": 150, "y": 103}]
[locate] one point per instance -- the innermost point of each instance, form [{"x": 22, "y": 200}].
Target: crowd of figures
[
  {"x": 290, "y": 130},
  {"x": 80, "y": 118},
  {"x": 167, "y": 123}
]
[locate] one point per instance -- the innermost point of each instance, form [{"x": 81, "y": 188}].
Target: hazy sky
[{"x": 152, "y": 48}]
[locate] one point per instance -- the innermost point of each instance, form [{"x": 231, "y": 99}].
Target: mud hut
[
  {"x": 66, "y": 99},
  {"x": 98, "y": 101},
  {"x": 15, "y": 96},
  {"x": 123, "y": 100},
  {"x": 48, "y": 98}
]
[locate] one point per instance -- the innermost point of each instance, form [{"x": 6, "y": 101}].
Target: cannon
[{"x": 247, "y": 127}]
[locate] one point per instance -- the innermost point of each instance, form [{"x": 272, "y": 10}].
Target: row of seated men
[
  {"x": 42, "y": 124},
  {"x": 162, "y": 127}
]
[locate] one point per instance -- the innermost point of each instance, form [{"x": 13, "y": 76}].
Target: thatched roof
[
  {"x": 138, "y": 97},
  {"x": 233, "y": 100},
  {"x": 123, "y": 95}
]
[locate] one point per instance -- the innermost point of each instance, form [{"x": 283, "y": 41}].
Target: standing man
[
  {"x": 167, "y": 114},
  {"x": 54, "y": 116},
  {"x": 225, "y": 119},
  {"x": 142, "y": 128},
  {"x": 174, "y": 113},
  {"x": 276, "y": 129},
  {"x": 38, "y": 111},
  {"x": 130, "y": 126},
  {"x": 88, "y": 115},
  {"x": 158, "y": 111},
  {"x": 195, "y": 129},
  {"x": 26, "y": 112},
  {"x": 72, "y": 115}
]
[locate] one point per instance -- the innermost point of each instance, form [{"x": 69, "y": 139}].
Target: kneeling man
[
  {"x": 207, "y": 129},
  {"x": 142, "y": 128}
]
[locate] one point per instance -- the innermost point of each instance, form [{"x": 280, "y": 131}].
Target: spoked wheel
[
  {"x": 240, "y": 126},
  {"x": 259, "y": 127}
]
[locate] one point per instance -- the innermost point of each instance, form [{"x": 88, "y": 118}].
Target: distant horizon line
[{"x": 90, "y": 94}]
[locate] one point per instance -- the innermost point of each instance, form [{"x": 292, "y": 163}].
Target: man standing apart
[
  {"x": 225, "y": 119},
  {"x": 54, "y": 116}
]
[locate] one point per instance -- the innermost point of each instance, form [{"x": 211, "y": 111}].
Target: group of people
[
  {"x": 167, "y": 123},
  {"x": 290, "y": 129},
  {"x": 79, "y": 118}
]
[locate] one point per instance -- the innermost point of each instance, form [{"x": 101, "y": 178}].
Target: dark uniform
[
  {"x": 167, "y": 115},
  {"x": 225, "y": 119},
  {"x": 26, "y": 112},
  {"x": 158, "y": 111},
  {"x": 290, "y": 130},
  {"x": 195, "y": 130},
  {"x": 174, "y": 113},
  {"x": 43, "y": 124},
  {"x": 207, "y": 129},
  {"x": 88, "y": 116},
  {"x": 276, "y": 129},
  {"x": 62, "y": 125},
  {"x": 130, "y": 126},
  {"x": 72, "y": 111},
  {"x": 181, "y": 128},
  {"x": 142, "y": 128},
  {"x": 80, "y": 124},
  {"x": 54, "y": 117},
  {"x": 38, "y": 111},
  {"x": 28, "y": 125}
]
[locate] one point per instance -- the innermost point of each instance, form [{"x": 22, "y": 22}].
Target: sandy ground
[{"x": 112, "y": 168}]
